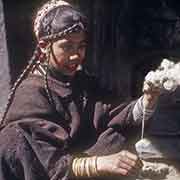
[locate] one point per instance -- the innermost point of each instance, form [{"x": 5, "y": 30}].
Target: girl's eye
[
  {"x": 67, "y": 47},
  {"x": 83, "y": 46},
  {"x": 70, "y": 47}
]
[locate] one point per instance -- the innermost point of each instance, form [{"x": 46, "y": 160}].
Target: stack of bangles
[{"x": 85, "y": 167}]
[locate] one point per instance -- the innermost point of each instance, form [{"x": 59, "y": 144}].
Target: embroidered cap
[{"x": 50, "y": 5}]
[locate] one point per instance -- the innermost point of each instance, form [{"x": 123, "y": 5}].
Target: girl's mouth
[{"x": 73, "y": 66}]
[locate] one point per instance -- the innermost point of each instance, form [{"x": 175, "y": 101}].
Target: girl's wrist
[{"x": 85, "y": 167}]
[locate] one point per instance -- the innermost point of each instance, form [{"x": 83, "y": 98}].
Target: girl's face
[{"x": 68, "y": 53}]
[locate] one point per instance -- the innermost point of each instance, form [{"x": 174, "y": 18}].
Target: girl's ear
[{"x": 43, "y": 46}]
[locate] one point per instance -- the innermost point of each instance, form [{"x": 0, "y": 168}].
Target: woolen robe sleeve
[
  {"x": 34, "y": 143},
  {"x": 122, "y": 115}
]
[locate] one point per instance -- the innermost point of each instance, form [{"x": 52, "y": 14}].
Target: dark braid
[
  {"x": 46, "y": 84},
  {"x": 31, "y": 65}
]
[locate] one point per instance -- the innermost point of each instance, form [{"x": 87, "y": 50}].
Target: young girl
[{"x": 57, "y": 123}]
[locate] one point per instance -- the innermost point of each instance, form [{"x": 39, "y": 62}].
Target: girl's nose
[{"x": 74, "y": 56}]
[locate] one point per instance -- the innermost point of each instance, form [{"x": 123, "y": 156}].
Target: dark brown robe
[{"x": 40, "y": 137}]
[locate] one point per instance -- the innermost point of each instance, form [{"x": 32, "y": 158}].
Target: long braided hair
[{"x": 54, "y": 20}]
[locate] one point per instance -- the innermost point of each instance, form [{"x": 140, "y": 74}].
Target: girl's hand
[
  {"x": 151, "y": 94},
  {"x": 122, "y": 163}
]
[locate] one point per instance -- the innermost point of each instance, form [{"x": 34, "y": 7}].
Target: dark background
[{"x": 129, "y": 38}]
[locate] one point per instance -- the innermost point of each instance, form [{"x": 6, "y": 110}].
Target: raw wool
[
  {"x": 145, "y": 147},
  {"x": 158, "y": 171},
  {"x": 153, "y": 169},
  {"x": 166, "y": 76}
]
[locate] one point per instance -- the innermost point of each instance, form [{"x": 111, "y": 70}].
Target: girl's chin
[{"x": 70, "y": 72}]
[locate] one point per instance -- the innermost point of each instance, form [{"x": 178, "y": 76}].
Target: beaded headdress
[{"x": 50, "y": 5}]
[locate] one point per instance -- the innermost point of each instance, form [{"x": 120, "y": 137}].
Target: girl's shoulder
[{"x": 36, "y": 83}]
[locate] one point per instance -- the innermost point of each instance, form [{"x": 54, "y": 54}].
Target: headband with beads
[
  {"x": 77, "y": 27},
  {"x": 50, "y": 5}
]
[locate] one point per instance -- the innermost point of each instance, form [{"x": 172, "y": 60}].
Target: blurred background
[{"x": 128, "y": 38}]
